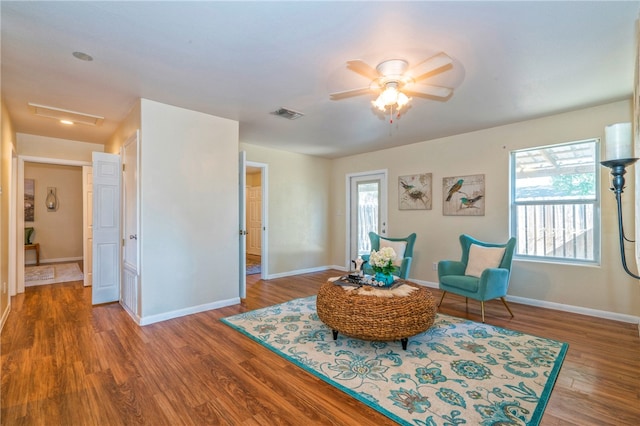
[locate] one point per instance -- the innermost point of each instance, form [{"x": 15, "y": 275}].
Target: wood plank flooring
[{"x": 67, "y": 363}]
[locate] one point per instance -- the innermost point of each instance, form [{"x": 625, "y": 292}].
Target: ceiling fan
[{"x": 395, "y": 81}]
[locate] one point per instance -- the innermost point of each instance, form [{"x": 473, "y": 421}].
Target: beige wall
[
  {"x": 298, "y": 218},
  {"x": 7, "y": 148},
  {"x": 54, "y": 148},
  {"x": 189, "y": 218},
  {"x": 59, "y": 232},
  {"x": 604, "y": 287},
  {"x": 126, "y": 129}
]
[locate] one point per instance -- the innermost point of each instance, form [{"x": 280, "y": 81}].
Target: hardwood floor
[{"x": 67, "y": 363}]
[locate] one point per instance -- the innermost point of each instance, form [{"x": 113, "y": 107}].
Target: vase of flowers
[{"x": 382, "y": 263}]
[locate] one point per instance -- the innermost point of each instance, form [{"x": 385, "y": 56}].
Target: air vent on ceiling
[
  {"x": 287, "y": 113},
  {"x": 64, "y": 114}
]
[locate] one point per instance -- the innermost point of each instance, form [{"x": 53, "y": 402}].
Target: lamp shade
[
  {"x": 391, "y": 97},
  {"x": 618, "y": 141}
]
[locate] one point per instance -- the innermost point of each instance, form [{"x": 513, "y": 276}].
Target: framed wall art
[
  {"x": 463, "y": 195},
  {"x": 29, "y": 199},
  {"x": 414, "y": 192}
]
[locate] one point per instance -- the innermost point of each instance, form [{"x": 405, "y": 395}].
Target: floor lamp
[{"x": 619, "y": 154}]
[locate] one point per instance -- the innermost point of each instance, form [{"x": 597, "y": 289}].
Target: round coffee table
[{"x": 356, "y": 313}]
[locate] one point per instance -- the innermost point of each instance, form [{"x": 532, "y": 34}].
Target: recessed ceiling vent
[
  {"x": 287, "y": 113},
  {"x": 65, "y": 114}
]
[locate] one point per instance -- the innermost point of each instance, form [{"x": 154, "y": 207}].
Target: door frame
[
  {"x": 18, "y": 284},
  {"x": 383, "y": 215},
  {"x": 13, "y": 224},
  {"x": 133, "y": 139},
  {"x": 87, "y": 243}
]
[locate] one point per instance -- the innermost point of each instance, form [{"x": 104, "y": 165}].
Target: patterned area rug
[
  {"x": 38, "y": 273},
  {"x": 52, "y": 274},
  {"x": 457, "y": 372}
]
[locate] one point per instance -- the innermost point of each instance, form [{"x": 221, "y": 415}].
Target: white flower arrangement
[{"x": 382, "y": 260}]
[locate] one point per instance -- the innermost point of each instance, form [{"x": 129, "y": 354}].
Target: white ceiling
[{"x": 241, "y": 60}]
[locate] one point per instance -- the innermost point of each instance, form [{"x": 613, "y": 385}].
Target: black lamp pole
[{"x": 618, "y": 169}]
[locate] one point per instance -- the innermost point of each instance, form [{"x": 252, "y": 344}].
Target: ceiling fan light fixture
[
  {"x": 391, "y": 98},
  {"x": 394, "y": 81},
  {"x": 402, "y": 100}
]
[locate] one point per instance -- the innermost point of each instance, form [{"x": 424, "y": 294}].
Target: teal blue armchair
[
  {"x": 377, "y": 241},
  {"x": 469, "y": 277}
]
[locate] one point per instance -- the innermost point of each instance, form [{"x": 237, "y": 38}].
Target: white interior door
[
  {"x": 254, "y": 220},
  {"x": 106, "y": 227},
  {"x": 258, "y": 233},
  {"x": 367, "y": 211},
  {"x": 87, "y": 221},
  {"x": 242, "y": 170}
]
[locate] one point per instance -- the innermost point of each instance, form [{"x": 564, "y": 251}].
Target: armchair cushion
[
  {"x": 461, "y": 282},
  {"x": 404, "y": 253},
  {"x": 397, "y": 246},
  {"x": 481, "y": 258}
]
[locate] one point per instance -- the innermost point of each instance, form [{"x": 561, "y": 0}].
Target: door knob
[{"x": 133, "y": 237}]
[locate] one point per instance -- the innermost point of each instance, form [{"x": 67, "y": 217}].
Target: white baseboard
[
  {"x": 59, "y": 260},
  {"x": 615, "y": 316},
  {"x": 304, "y": 271},
  {"x": 133, "y": 316},
  {"x": 186, "y": 311},
  {"x": 560, "y": 307},
  {"x": 516, "y": 299}
]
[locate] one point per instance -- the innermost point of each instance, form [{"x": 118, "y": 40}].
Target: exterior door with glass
[{"x": 367, "y": 211}]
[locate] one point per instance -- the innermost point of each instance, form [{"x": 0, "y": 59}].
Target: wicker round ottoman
[{"x": 368, "y": 317}]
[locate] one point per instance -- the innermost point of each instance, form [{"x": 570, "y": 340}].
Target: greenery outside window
[{"x": 555, "y": 202}]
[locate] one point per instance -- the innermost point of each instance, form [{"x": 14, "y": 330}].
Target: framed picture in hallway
[
  {"x": 463, "y": 195},
  {"x": 29, "y": 199}
]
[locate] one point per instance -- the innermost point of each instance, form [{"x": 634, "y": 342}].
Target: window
[
  {"x": 368, "y": 201},
  {"x": 555, "y": 202}
]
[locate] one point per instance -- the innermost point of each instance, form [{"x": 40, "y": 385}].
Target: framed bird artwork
[
  {"x": 414, "y": 192},
  {"x": 463, "y": 195}
]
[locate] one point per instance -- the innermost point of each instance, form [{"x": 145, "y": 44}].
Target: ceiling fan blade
[
  {"x": 429, "y": 91},
  {"x": 363, "y": 69},
  {"x": 431, "y": 66},
  {"x": 349, "y": 93}
]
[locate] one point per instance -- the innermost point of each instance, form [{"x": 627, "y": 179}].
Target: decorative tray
[{"x": 353, "y": 279}]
